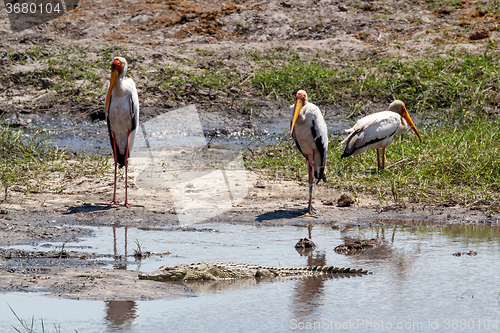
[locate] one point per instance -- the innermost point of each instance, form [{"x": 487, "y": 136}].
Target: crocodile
[{"x": 223, "y": 270}]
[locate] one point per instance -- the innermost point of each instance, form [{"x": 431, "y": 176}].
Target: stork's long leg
[
  {"x": 383, "y": 158},
  {"x": 310, "y": 175},
  {"x": 310, "y": 170},
  {"x": 311, "y": 182},
  {"x": 378, "y": 160},
  {"x": 113, "y": 202},
  {"x": 126, "y": 171}
]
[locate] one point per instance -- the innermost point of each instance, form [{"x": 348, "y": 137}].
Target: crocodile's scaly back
[{"x": 221, "y": 270}]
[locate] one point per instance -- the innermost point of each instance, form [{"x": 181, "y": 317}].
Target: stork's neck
[
  {"x": 120, "y": 87},
  {"x": 121, "y": 77},
  {"x": 403, "y": 126}
]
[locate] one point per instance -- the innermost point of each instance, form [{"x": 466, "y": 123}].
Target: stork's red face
[
  {"x": 116, "y": 70},
  {"x": 302, "y": 97},
  {"x": 116, "y": 65}
]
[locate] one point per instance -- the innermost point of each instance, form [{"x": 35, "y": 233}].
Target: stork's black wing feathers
[
  {"x": 134, "y": 114},
  {"x": 120, "y": 158},
  {"x": 348, "y": 152},
  {"x": 322, "y": 150}
]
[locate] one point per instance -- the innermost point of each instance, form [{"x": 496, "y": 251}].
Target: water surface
[{"x": 417, "y": 284}]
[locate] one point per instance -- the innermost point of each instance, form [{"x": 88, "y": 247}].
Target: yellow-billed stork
[
  {"x": 377, "y": 131},
  {"x": 308, "y": 129},
  {"x": 122, "y": 115}
]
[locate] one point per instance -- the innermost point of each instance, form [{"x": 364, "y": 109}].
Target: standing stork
[
  {"x": 308, "y": 129},
  {"x": 122, "y": 116},
  {"x": 377, "y": 131}
]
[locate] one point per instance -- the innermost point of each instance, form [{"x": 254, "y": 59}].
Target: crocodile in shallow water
[{"x": 222, "y": 270}]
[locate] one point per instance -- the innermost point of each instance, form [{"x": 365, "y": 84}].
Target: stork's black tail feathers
[
  {"x": 120, "y": 159},
  {"x": 321, "y": 176}
]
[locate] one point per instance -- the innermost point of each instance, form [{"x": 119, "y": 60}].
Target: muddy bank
[{"x": 87, "y": 284}]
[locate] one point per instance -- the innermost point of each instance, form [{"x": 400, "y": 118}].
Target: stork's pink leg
[
  {"x": 378, "y": 160},
  {"x": 311, "y": 181},
  {"x": 113, "y": 202},
  {"x": 126, "y": 171},
  {"x": 383, "y": 158}
]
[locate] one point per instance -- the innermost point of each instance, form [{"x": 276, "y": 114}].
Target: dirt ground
[{"x": 156, "y": 31}]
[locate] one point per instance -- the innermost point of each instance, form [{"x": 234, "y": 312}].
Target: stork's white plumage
[
  {"x": 308, "y": 129},
  {"x": 122, "y": 115},
  {"x": 377, "y": 131}
]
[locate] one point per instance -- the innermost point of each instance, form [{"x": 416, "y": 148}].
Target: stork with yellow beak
[
  {"x": 308, "y": 129},
  {"x": 122, "y": 115},
  {"x": 377, "y": 131}
]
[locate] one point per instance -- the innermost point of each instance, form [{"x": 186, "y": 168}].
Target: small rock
[
  {"x": 472, "y": 253},
  {"x": 342, "y": 8},
  {"x": 369, "y": 7},
  {"x": 44, "y": 99},
  {"x": 458, "y": 254},
  {"x": 358, "y": 245},
  {"x": 47, "y": 82},
  {"x": 305, "y": 243},
  {"x": 443, "y": 11},
  {"x": 183, "y": 19},
  {"x": 479, "y": 34},
  {"x": 345, "y": 201},
  {"x": 22, "y": 70},
  {"x": 260, "y": 184}
]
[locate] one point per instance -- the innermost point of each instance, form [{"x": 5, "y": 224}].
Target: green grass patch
[
  {"x": 455, "y": 164},
  {"x": 33, "y": 165},
  {"x": 457, "y": 83}
]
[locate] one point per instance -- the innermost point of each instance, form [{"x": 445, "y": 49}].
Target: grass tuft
[
  {"x": 33, "y": 165},
  {"x": 457, "y": 83},
  {"x": 29, "y": 326}
]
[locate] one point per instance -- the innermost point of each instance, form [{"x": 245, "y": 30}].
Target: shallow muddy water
[
  {"x": 417, "y": 283},
  {"x": 172, "y": 128}
]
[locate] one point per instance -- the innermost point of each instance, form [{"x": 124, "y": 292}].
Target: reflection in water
[
  {"x": 308, "y": 293},
  {"x": 212, "y": 287},
  {"x": 217, "y": 286},
  {"x": 402, "y": 258},
  {"x": 118, "y": 257},
  {"x": 399, "y": 259},
  {"x": 120, "y": 315}
]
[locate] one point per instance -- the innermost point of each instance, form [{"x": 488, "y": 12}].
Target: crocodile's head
[{"x": 167, "y": 273}]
